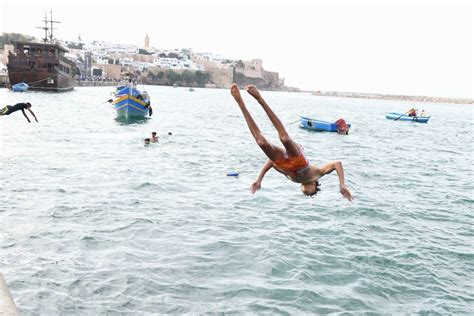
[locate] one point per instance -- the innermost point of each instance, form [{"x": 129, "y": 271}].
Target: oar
[
  {"x": 292, "y": 122},
  {"x": 401, "y": 115}
]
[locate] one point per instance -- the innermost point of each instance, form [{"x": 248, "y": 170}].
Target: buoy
[{"x": 233, "y": 173}]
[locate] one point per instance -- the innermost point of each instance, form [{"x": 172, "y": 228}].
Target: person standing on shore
[
  {"x": 289, "y": 160},
  {"x": 9, "y": 109}
]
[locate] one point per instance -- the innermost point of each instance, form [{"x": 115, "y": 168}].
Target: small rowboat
[
  {"x": 20, "y": 87},
  {"x": 318, "y": 125},
  {"x": 403, "y": 117}
]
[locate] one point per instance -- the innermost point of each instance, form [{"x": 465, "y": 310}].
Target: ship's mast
[
  {"x": 51, "y": 32},
  {"x": 46, "y": 28}
]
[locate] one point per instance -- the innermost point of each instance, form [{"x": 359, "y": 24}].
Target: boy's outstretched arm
[
  {"x": 337, "y": 165},
  {"x": 257, "y": 184},
  {"x": 24, "y": 114},
  {"x": 33, "y": 115}
]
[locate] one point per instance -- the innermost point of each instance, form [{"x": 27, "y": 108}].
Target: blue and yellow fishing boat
[{"x": 132, "y": 103}]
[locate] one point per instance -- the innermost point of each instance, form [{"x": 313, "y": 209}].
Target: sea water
[{"x": 93, "y": 222}]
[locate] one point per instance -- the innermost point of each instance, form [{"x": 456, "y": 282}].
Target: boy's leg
[
  {"x": 270, "y": 150},
  {"x": 291, "y": 147},
  {"x": 5, "y": 110}
]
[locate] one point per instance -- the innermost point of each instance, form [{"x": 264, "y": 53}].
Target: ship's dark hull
[{"x": 39, "y": 79}]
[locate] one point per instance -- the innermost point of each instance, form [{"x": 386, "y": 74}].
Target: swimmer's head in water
[
  {"x": 310, "y": 188},
  {"x": 153, "y": 134},
  {"x": 147, "y": 141}
]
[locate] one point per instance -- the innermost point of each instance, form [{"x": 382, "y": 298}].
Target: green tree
[
  {"x": 7, "y": 38},
  {"x": 142, "y": 51},
  {"x": 173, "y": 77},
  {"x": 202, "y": 78},
  {"x": 188, "y": 77},
  {"x": 172, "y": 55}
]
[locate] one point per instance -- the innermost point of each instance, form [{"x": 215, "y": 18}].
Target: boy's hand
[
  {"x": 255, "y": 186},
  {"x": 345, "y": 192},
  {"x": 234, "y": 90}
]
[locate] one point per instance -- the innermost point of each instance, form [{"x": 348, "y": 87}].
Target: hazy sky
[{"x": 403, "y": 47}]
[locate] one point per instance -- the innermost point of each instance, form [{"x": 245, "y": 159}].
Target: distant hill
[{"x": 6, "y": 38}]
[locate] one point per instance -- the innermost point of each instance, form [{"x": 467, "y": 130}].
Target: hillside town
[{"x": 101, "y": 63}]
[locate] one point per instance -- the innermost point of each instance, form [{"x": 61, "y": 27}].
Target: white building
[{"x": 175, "y": 63}]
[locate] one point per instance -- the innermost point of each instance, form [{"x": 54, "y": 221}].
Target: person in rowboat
[
  {"x": 290, "y": 159},
  {"x": 9, "y": 109},
  {"x": 412, "y": 112}
]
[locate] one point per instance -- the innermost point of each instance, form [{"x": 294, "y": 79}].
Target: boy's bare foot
[
  {"x": 234, "y": 90},
  {"x": 253, "y": 91}
]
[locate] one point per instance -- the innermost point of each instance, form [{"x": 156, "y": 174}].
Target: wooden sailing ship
[{"x": 43, "y": 66}]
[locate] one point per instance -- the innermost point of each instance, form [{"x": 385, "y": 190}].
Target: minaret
[{"x": 147, "y": 41}]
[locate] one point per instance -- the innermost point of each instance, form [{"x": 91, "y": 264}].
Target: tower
[{"x": 147, "y": 41}]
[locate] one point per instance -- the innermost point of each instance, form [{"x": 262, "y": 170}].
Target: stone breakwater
[{"x": 393, "y": 97}]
